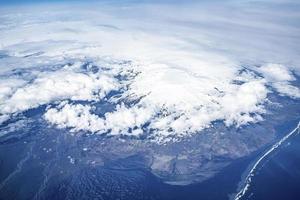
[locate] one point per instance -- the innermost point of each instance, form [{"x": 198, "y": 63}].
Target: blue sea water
[
  {"x": 279, "y": 175},
  {"x": 28, "y": 170},
  {"x": 45, "y": 163}
]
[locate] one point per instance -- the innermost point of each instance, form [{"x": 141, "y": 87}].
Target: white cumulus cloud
[
  {"x": 58, "y": 85},
  {"x": 279, "y": 76},
  {"x": 187, "y": 66}
]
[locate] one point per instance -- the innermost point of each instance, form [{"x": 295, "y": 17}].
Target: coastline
[{"x": 245, "y": 183}]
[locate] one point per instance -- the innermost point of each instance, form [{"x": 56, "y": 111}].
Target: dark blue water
[
  {"x": 30, "y": 170},
  {"x": 279, "y": 177},
  {"x": 41, "y": 162}
]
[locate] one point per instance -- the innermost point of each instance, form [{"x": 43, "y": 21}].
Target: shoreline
[{"x": 244, "y": 186}]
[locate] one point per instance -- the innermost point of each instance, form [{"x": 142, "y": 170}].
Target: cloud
[
  {"x": 279, "y": 77},
  {"x": 9, "y": 86},
  {"x": 276, "y": 73},
  {"x": 286, "y": 89},
  {"x": 243, "y": 105},
  {"x": 184, "y": 71},
  {"x": 80, "y": 118},
  {"x": 62, "y": 84},
  {"x": 77, "y": 117}
]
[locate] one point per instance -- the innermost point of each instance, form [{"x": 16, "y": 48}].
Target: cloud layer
[{"x": 173, "y": 74}]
